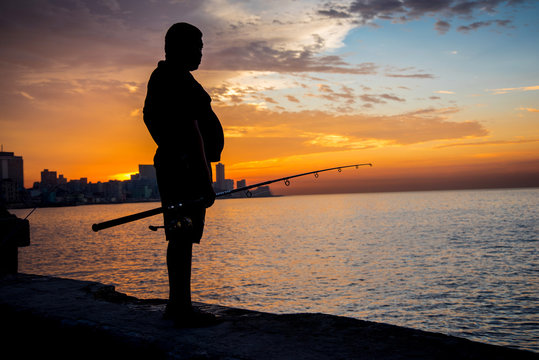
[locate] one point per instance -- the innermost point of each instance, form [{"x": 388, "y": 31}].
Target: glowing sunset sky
[{"x": 437, "y": 94}]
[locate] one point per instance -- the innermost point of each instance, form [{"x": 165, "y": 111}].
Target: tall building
[
  {"x": 11, "y": 177},
  {"x": 11, "y": 167},
  {"x": 220, "y": 175},
  {"x": 144, "y": 184},
  {"x": 221, "y": 183},
  {"x": 48, "y": 178}
]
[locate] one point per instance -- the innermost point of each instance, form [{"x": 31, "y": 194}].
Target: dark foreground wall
[{"x": 62, "y": 318}]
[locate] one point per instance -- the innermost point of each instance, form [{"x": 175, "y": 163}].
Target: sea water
[{"x": 463, "y": 263}]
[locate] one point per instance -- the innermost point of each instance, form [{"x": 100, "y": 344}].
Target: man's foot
[{"x": 190, "y": 317}]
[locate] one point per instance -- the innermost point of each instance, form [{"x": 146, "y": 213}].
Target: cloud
[
  {"x": 442, "y": 26},
  {"x": 326, "y": 92},
  {"x": 330, "y": 140},
  {"x": 57, "y": 98},
  {"x": 333, "y": 13},
  {"x": 270, "y": 100},
  {"x": 444, "y": 92},
  {"x": 26, "y": 95},
  {"x": 493, "y": 142},
  {"x": 379, "y": 98},
  {"x": 97, "y": 38},
  {"x": 277, "y": 134},
  {"x": 366, "y": 11},
  {"x": 311, "y": 127},
  {"x": 292, "y": 98},
  {"x": 391, "y": 97},
  {"x": 373, "y": 99},
  {"x": 411, "y": 76},
  {"x": 264, "y": 56},
  {"x": 66, "y": 35},
  {"x": 530, "y": 109},
  {"x": 412, "y": 9},
  {"x": 131, "y": 87},
  {"x": 479, "y": 24},
  {"x": 514, "y": 89},
  {"x": 407, "y": 73}
]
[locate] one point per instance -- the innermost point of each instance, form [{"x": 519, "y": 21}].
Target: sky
[{"x": 435, "y": 94}]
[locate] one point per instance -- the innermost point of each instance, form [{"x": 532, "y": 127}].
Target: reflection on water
[{"x": 456, "y": 262}]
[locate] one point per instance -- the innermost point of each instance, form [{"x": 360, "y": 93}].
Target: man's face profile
[{"x": 193, "y": 55}]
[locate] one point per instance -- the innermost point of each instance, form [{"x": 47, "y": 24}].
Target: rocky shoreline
[{"x": 67, "y": 318}]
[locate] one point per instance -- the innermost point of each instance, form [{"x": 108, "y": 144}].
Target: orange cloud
[
  {"x": 529, "y": 109},
  {"x": 260, "y": 141},
  {"x": 407, "y": 128},
  {"x": 483, "y": 143},
  {"x": 515, "y": 89},
  {"x": 26, "y": 95}
]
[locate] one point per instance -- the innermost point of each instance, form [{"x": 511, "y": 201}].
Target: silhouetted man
[{"x": 189, "y": 136}]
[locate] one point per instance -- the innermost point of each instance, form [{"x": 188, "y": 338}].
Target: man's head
[{"x": 183, "y": 45}]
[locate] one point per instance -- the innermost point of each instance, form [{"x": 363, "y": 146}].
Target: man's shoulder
[
  {"x": 160, "y": 72},
  {"x": 167, "y": 75}
]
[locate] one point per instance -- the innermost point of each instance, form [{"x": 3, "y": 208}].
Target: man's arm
[{"x": 199, "y": 157}]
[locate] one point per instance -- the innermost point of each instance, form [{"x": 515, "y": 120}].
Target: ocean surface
[{"x": 463, "y": 263}]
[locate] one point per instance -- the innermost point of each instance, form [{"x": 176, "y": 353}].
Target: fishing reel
[{"x": 184, "y": 222}]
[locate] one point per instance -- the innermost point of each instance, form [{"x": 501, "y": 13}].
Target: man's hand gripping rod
[{"x": 159, "y": 210}]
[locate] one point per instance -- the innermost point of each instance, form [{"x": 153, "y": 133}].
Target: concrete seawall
[{"x": 63, "y": 318}]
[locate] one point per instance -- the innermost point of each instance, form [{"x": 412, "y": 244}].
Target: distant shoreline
[{"x": 18, "y": 206}]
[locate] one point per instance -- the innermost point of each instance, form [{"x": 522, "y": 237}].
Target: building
[
  {"x": 241, "y": 183},
  {"x": 11, "y": 167},
  {"x": 48, "y": 179},
  {"x": 221, "y": 183},
  {"x": 61, "y": 180},
  {"x": 220, "y": 176},
  {"x": 76, "y": 186},
  {"x": 143, "y": 185},
  {"x": 147, "y": 172},
  {"x": 228, "y": 185},
  {"x": 11, "y": 176},
  {"x": 262, "y": 191},
  {"x": 9, "y": 191},
  {"x": 114, "y": 191}
]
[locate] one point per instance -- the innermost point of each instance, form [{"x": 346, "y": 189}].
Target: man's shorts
[
  {"x": 176, "y": 185},
  {"x": 184, "y": 224}
]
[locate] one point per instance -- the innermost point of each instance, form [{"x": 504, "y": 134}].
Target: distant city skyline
[
  {"x": 146, "y": 171},
  {"x": 55, "y": 189},
  {"x": 443, "y": 179}
]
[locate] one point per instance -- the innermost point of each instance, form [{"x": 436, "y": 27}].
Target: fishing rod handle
[
  {"x": 126, "y": 219},
  {"x": 141, "y": 215}
]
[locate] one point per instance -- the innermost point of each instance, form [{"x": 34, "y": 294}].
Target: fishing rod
[
  {"x": 286, "y": 180},
  {"x": 144, "y": 214}
]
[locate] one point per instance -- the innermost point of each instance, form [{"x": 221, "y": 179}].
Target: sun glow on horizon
[{"x": 122, "y": 177}]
